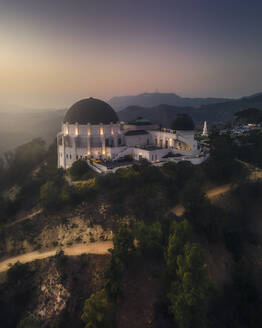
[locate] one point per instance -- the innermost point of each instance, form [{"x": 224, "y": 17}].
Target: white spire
[{"x": 205, "y": 133}]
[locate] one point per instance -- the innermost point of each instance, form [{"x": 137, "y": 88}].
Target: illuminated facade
[{"x": 91, "y": 129}]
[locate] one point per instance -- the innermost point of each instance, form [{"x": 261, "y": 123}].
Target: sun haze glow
[{"x": 54, "y": 52}]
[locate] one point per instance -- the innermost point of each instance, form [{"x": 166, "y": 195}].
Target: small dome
[
  {"x": 90, "y": 110},
  {"x": 183, "y": 122}
]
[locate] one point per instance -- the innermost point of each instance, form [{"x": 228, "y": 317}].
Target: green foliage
[
  {"x": 123, "y": 242},
  {"x": 29, "y": 322},
  {"x": 23, "y": 160},
  {"x": 192, "y": 196},
  {"x": 98, "y": 312},
  {"x": 206, "y": 219},
  {"x": 149, "y": 237},
  {"x": 249, "y": 148},
  {"x": 187, "y": 280},
  {"x": 250, "y": 115},
  {"x": 53, "y": 196},
  {"x": 17, "y": 272},
  {"x": 123, "y": 246},
  {"x": 80, "y": 169},
  {"x": 189, "y": 293},
  {"x": 183, "y": 122},
  {"x": 221, "y": 165},
  {"x": 239, "y": 303},
  {"x": 180, "y": 233}
]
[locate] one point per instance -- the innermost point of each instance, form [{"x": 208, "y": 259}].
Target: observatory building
[{"x": 92, "y": 131}]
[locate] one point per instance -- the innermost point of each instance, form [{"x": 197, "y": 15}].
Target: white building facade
[{"x": 91, "y": 130}]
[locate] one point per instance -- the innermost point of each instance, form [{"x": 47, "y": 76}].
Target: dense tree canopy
[{"x": 250, "y": 115}]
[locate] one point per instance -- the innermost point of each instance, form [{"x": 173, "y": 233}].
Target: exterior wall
[
  {"x": 109, "y": 142},
  {"x": 140, "y": 127},
  {"x": 135, "y": 140},
  {"x": 177, "y": 140},
  {"x": 151, "y": 155}
]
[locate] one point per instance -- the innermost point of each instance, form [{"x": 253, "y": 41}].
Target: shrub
[
  {"x": 79, "y": 169},
  {"x": 98, "y": 312}
]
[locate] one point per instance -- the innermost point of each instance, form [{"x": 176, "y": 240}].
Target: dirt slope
[{"x": 93, "y": 248}]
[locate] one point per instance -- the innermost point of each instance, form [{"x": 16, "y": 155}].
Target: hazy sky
[{"x": 53, "y": 52}]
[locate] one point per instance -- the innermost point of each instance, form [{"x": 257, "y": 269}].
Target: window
[
  {"x": 76, "y": 157},
  {"x": 107, "y": 142},
  {"x": 156, "y": 141},
  {"x": 166, "y": 143},
  {"x": 119, "y": 141},
  {"x": 147, "y": 141},
  {"x": 70, "y": 156},
  {"x": 152, "y": 157}
]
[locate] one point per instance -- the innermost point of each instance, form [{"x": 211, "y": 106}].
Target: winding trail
[
  {"x": 103, "y": 247},
  {"x": 100, "y": 247},
  {"x": 211, "y": 193},
  {"x": 93, "y": 248},
  {"x": 27, "y": 217}
]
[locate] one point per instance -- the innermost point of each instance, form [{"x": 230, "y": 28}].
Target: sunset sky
[{"x": 54, "y": 52}]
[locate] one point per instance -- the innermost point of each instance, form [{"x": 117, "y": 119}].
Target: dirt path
[
  {"x": 93, "y": 248},
  {"x": 217, "y": 191},
  {"x": 28, "y": 217},
  {"x": 255, "y": 172}
]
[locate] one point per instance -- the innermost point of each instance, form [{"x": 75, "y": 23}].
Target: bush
[
  {"x": 29, "y": 322},
  {"x": 149, "y": 238},
  {"x": 98, "y": 312},
  {"x": 190, "y": 291},
  {"x": 53, "y": 196},
  {"x": 80, "y": 169}
]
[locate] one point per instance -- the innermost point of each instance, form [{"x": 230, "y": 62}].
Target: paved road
[{"x": 100, "y": 247}]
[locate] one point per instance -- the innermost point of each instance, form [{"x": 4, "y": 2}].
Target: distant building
[
  {"x": 205, "y": 133},
  {"x": 91, "y": 130}
]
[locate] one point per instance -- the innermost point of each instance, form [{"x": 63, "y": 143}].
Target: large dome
[{"x": 91, "y": 110}]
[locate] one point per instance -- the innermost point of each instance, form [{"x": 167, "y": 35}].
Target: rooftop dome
[
  {"x": 91, "y": 110},
  {"x": 183, "y": 122}
]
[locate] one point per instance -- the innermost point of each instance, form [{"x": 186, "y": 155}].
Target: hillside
[
  {"x": 157, "y": 98},
  {"x": 18, "y": 127},
  {"x": 213, "y": 113},
  {"x": 194, "y": 267}
]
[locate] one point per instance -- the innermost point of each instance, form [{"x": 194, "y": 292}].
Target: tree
[
  {"x": 190, "y": 292},
  {"x": 52, "y": 196},
  {"x": 123, "y": 244},
  {"x": 29, "y": 322},
  {"x": 250, "y": 115},
  {"x": 98, "y": 312},
  {"x": 149, "y": 238},
  {"x": 78, "y": 169},
  {"x": 180, "y": 234}
]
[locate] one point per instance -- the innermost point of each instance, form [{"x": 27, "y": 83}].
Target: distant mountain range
[
  {"x": 155, "y": 99},
  {"x": 212, "y": 112},
  {"x": 19, "y": 125}
]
